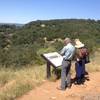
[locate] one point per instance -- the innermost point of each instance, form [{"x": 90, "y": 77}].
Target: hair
[{"x": 67, "y": 40}]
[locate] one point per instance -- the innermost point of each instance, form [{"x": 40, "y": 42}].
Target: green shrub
[{"x": 18, "y": 55}]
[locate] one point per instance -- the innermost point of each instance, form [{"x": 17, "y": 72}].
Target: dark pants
[
  {"x": 80, "y": 69},
  {"x": 65, "y": 74}
]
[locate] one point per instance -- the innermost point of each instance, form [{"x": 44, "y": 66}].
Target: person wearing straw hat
[
  {"x": 80, "y": 62},
  {"x": 78, "y": 44},
  {"x": 67, "y": 52}
]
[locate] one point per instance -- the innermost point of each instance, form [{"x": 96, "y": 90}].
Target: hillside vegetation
[
  {"x": 20, "y": 46},
  {"x": 21, "y": 66}
]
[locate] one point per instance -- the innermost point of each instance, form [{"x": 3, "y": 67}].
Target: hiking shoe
[{"x": 59, "y": 88}]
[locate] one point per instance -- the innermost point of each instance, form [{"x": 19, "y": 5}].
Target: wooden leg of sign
[
  {"x": 48, "y": 70},
  {"x": 55, "y": 69}
]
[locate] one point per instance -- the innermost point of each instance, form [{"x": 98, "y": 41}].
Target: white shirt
[{"x": 68, "y": 51}]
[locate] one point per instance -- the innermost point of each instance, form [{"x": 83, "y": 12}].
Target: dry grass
[
  {"x": 16, "y": 82},
  {"x": 95, "y": 62}
]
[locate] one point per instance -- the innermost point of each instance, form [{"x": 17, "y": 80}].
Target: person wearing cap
[
  {"x": 80, "y": 62},
  {"x": 67, "y": 52}
]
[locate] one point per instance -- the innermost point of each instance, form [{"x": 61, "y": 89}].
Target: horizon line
[{"x": 49, "y": 20}]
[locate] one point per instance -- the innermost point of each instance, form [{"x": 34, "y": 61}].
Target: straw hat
[{"x": 78, "y": 44}]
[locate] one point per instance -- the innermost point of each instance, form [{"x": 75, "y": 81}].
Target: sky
[{"x": 24, "y": 11}]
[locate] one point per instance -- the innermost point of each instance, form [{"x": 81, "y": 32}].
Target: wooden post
[
  {"x": 48, "y": 70},
  {"x": 55, "y": 72}
]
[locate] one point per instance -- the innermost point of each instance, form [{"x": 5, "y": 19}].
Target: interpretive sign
[{"x": 54, "y": 59}]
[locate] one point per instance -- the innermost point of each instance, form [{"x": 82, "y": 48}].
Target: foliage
[
  {"x": 21, "y": 45},
  {"x": 18, "y": 81}
]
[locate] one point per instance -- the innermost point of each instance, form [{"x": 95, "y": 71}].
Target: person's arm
[
  {"x": 62, "y": 51},
  {"x": 79, "y": 55}
]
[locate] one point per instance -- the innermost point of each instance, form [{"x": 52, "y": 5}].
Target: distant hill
[
  {"x": 85, "y": 29},
  {"x": 16, "y": 24},
  {"x": 22, "y": 44}
]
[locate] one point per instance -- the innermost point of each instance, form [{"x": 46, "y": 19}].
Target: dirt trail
[{"x": 48, "y": 91}]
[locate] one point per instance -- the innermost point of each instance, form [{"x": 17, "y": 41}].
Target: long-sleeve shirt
[{"x": 68, "y": 51}]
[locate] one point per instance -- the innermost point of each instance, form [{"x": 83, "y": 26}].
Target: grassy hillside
[
  {"x": 21, "y": 65},
  {"x": 22, "y": 45},
  {"x": 18, "y": 81}
]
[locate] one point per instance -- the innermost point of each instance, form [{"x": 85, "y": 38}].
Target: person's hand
[{"x": 78, "y": 59}]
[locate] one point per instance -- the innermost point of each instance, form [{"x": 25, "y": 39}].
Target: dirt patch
[{"x": 48, "y": 91}]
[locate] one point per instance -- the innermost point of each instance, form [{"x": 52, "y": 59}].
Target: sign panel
[{"x": 54, "y": 58}]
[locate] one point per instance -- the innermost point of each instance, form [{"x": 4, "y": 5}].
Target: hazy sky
[{"x": 23, "y": 11}]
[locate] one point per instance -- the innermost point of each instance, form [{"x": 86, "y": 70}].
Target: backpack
[{"x": 85, "y": 54}]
